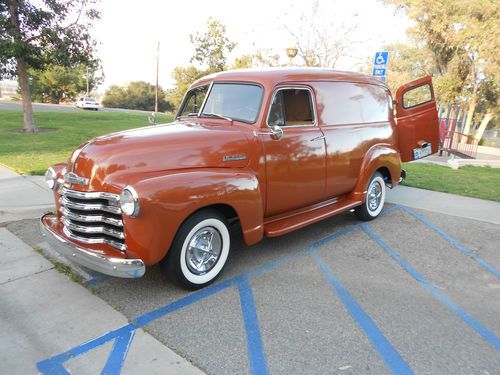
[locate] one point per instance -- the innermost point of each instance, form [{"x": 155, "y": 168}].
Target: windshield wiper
[{"x": 217, "y": 115}]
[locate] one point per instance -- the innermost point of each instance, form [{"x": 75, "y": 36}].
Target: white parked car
[{"x": 87, "y": 103}]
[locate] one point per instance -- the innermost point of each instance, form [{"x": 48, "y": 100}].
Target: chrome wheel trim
[
  {"x": 203, "y": 250},
  {"x": 216, "y": 269},
  {"x": 374, "y": 195}
]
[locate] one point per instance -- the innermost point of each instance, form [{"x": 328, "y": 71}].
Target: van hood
[{"x": 179, "y": 145}]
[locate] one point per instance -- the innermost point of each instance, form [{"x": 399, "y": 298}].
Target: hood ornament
[{"x": 73, "y": 179}]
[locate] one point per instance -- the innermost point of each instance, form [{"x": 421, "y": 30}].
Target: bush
[{"x": 138, "y": 95}]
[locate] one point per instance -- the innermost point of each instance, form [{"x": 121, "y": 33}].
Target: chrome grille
[{"x": 92, "y": 217}]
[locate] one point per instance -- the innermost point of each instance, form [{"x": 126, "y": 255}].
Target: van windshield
[{"x": 237, "y": 101}]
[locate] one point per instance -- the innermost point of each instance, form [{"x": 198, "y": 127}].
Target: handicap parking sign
[{"x": 379, "y": 64}]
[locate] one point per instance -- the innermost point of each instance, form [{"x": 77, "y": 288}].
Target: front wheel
[
  {"x": 375, "y": 199},
  {"x": 199, "y": 251}
]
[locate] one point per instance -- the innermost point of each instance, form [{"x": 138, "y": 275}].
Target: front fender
[
  {"x": 378, "y": 156},
  {"x": 168, "y": 200}
]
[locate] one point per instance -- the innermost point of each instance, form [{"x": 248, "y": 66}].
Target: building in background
[{"x": 8, "y": 89}]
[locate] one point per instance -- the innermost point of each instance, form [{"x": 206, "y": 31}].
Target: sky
[{"x": 129, "y": 31}]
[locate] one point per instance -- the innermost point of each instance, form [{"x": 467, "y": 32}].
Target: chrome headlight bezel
[
  {"x": 129, "y": 202},
  {"x": 51, "y": 178}
]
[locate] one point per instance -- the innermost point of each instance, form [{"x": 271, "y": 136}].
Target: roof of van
[{"x": 273, "y": 76}]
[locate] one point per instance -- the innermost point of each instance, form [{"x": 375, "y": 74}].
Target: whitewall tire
[{"x": 199, "y": 251}]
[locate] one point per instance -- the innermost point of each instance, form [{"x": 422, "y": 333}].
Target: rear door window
[{"x": 352, "y": 103}]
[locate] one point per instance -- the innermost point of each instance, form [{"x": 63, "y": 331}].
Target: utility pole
[{"x": 157, "y": 73}]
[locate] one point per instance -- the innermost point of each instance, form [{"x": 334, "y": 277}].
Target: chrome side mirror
[{"x": 276, "y": 132}]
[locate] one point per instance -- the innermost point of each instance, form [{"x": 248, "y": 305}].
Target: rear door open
[{"x": 417, "y": 119}]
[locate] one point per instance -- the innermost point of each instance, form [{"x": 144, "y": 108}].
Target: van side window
[
  {"x": 352, "y": 103},
  {"x": 416, "y": 96},
  {"x": 291, "y": 107}
]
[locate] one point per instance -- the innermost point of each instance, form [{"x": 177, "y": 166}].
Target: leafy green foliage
[
  {"x": 57, "y": 83},
  {"x": 184, "y": 77},
  {"x": 212, "y": 47},
  {"x": 136, "y": 95},
  {"x": 462, "y": 38},
  {"x": 45, "y": 32},
  {"x": 34, "y": 153}
]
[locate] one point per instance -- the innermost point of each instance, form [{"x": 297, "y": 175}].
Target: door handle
[{"x": 318, "y": 138}]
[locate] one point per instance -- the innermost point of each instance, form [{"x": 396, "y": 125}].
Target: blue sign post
[{"x": 379, "y": 64}]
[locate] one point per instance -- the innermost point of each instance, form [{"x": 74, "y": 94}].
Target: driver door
[{"x": 295, "y": 161}]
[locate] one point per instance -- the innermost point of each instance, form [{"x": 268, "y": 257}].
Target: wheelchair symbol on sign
[{"x": 380, "y": 59}]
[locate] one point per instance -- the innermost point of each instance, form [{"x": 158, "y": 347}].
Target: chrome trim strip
[
  {"x": 90, "y": 218},
  {"x": 205, "y": 98},
  {"x": 89, "y": 207},
  {"x": 92, "y": 230},
  {"x": 90, "y": 195},
  {"x": 118, "y": 267},
  {"x": 115, "y": 244}
]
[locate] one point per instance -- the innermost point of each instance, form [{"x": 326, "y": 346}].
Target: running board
[{"x": 279, "y": 225}]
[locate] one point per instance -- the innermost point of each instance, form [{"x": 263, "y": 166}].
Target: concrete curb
[
  {"x": 449, "y": 204},
  {"x": 46, "y": 314}
]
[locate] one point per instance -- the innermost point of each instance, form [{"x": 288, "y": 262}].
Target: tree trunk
[
  {"x": 470, "y": 112},
  {"x": 484, "y": 123},
  {"x": 22, "y": 72}
]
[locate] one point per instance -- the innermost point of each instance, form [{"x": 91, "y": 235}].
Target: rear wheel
[
  {"x": 199, "y": 251},
  {"x": 375, "y": 199}
]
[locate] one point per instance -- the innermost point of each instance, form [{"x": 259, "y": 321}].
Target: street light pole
[{"x": 157, "y": 73}]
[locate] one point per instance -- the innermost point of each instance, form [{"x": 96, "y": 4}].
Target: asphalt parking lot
[{"x": 411, "y": 292}]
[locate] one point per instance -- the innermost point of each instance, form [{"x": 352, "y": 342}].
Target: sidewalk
[
  {"x": 43, "y": 313},
  {"x": 449, "y": 204},
  {"x": 23, "y": 197}
]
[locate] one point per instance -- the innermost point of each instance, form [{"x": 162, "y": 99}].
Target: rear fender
[{"x": 378, "y": 156}]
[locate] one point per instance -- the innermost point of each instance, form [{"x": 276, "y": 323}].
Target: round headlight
[
  {"x": 50, "y": 178},
  {"x": 129, "y": 201}
]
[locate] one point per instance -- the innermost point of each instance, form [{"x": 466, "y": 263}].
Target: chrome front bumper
[{"x": 118, "y": 267}]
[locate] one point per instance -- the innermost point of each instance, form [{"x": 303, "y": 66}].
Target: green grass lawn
[
  {"x": 34, "y": 153},
  {"x": 477, "y": 182}
]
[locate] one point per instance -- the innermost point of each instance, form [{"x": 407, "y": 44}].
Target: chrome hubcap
[
  {"x": 203, "y": 250},
  {"x": 374, "y": 196}
]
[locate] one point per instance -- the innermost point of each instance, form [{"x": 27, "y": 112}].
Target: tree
[
  {"x": 266, "y": 58},
  {"x": 37, "y": 33},
  {"x": 243, "y": 62},
  {"x": 57, "y": 83},
  {"x": 138, "y": 95},
  {"x": 407, "y": 62},
  {"x": 462, "y": 37},
  {"x": 320, "y": 38},
  {"x": 183, "y": 77},
  {"x": 212, "y": 47}
]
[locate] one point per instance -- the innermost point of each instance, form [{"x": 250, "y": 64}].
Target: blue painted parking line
[
  {"x": 118, "y": 355},
  {"x": 489, "y": 336},
  {"x": 457, "y": 244},
  {"x": 390, "y": 355},
  {"x": 123, "y": 336},
  {"x": 256, "y": 356}
]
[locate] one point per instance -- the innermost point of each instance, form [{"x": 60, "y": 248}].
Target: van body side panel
[{"x": 354, "y": 117}]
